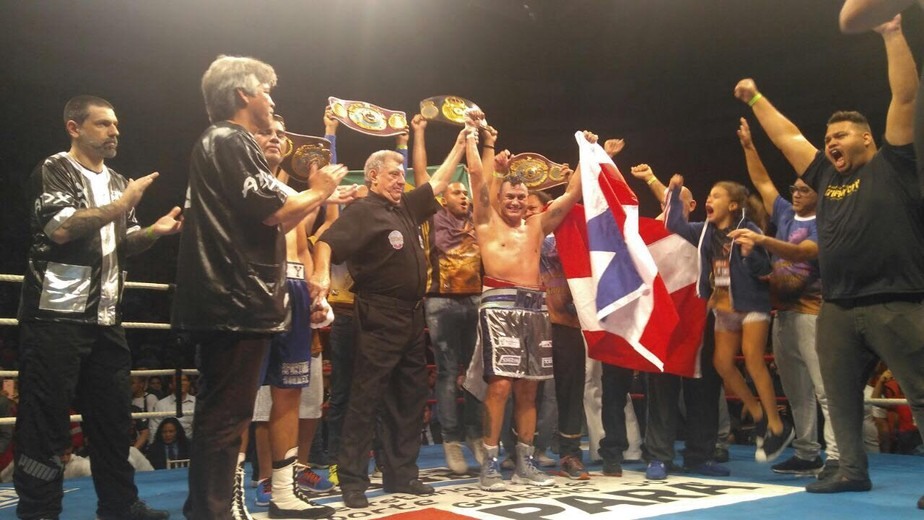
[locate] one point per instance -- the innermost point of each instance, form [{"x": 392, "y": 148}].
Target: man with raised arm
[
  {"x": 379, "y": 239},
  {"x": 795, "y": 291},
  {"x": 862, "y": 15},
  {"x": 871, "y": 241},
  {"x": 453, "y": 294},
  {"x": 701, "y": 396},
  {"x": 514, "y": 329}
]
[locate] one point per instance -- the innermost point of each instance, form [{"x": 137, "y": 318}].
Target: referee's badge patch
[{"x": 396, "y": 239}]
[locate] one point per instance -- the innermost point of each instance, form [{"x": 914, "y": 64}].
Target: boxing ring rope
[
  {"x": 12, "y": 374},
  {"x": 17, "y": 278}
]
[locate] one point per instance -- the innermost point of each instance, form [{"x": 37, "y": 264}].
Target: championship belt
[
  {"x": 367, "y": 118},
  {"x": 447, "y": 109},
  {"x": 301, "y": 151},
  {"x": 537, "y": 172}
]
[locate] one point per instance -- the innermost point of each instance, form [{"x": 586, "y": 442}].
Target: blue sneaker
[
  {"x": 710, "y": 468},
  {"x": 264, "y": 493},
  {"x": 657, "y": 470},
  {"x": 310, "y": 481}
]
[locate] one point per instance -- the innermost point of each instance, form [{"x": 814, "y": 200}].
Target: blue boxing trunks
[{"x": 289, "y": 363}]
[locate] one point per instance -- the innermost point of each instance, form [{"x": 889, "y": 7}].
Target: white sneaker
[{"x": 454, "y": 457}]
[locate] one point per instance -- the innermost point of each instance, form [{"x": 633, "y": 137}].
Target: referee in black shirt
[{"x": 379, "y": 239}]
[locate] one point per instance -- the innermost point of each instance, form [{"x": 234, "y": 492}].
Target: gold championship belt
[
  {"x": 537, "y": 172},
  {"x": 448, "y": 109},
  {"x": 367, "y": 118},
  {"x": 301, "y": 151}
]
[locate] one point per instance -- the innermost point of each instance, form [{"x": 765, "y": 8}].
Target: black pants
[
  {"x": 341, "y": 375},
  {"x": 389, "y": 377},
  {"x": 615, "y": 382},
  {"x": 568, "y": 361},
  {"x": 701, "y": 400},
  {"x": 86, "y": 366},
  {"x": 849, "y": 340},
  {"x": 229, "y": 376}
]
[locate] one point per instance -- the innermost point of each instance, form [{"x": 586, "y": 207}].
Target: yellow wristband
[
  {"x": 651, "y": 180},
  {"x": 757, "y": 97},
  {"x": 401, "y": 147},
  {"x": 149, "y": 232}
]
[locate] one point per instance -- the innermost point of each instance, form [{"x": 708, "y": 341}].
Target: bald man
[{"x": 701, "y": 396}]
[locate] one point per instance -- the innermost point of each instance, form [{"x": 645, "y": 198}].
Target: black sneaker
[
  {"x": 760, "y": 431},
  {"x": 611, "y": 468},
  {"x": 355, "y": 499},
  {"x": 796, "y": 466},
  {"x": 710, "y": 468},
  {"x": 921, "y": 503},
  {"x": 316, "y": 511},
  {"x": 774, "y": 444},
  {"x": 830, "y": 469},
  {"x": 720, "y": 455},
  {"x": 140, "y": 511},
  {"x": 839, "y": 484}
]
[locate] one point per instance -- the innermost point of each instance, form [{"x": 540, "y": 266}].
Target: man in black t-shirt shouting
[{"x": 871, "y": 238}]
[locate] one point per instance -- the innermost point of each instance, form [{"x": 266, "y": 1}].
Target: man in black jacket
[
  {"x": 231, "y": 269},
  {"x": 73, "y": 345}
]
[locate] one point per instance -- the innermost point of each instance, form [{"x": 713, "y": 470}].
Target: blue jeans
[{"x": 452, "y": 322}]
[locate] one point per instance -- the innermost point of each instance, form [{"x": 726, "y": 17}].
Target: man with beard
[
  {"x": 453, "y": 293},
  {"x": 871, "y": 238},
  {"x": 73, "y": 345},
  {"x": 514, "y": 328}
]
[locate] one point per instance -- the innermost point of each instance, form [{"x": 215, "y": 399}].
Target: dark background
[{"x": 658, "y": 73}]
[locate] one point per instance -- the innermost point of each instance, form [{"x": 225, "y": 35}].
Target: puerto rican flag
[{"x": 633, "y": 282}]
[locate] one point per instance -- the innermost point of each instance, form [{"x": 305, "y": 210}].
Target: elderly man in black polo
[{"x": 379, "y": 238}]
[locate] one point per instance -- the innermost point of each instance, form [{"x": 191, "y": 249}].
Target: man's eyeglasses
[{"x": 805, "y": 190}]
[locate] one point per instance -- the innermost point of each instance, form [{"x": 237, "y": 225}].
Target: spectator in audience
[
  {"x": 170, "y": 443},
  {"x": 168, "y": 404},
  {"x": 904, "y": 436},
  {"x": 142, "y": 397},
  {"x": 138, "y": 432},
  {"x": 155, "y": 387},
  {"x": 432, "y": 432}
]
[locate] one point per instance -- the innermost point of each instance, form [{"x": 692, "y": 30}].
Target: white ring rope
[
  {"x": 128, "y": 285},
  {"x": 12, "y": 322},
  {"x": 7, "y": 421}
]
